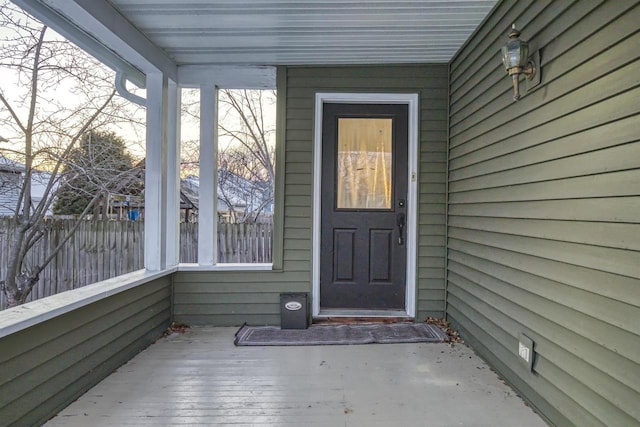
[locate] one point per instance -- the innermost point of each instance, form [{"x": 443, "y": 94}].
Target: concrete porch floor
[{"x": 201, "y": 378}]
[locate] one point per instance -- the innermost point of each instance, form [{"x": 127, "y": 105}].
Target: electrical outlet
[{"x": 526, "y": 350}]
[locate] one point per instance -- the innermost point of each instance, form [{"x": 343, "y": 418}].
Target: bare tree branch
[
  {"x": 48, "y": 128},
  {"x": 12, "y": 112}
]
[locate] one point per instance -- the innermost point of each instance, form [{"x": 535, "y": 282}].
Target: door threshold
[{"x": 362, "y": 316}]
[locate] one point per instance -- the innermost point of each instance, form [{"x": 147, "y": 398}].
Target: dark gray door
[{"x": 363, "y": 211}]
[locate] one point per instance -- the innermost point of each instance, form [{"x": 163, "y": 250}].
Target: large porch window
[
  {"x": 72, "y": 166},
  {"x": 227, "y": 176}
]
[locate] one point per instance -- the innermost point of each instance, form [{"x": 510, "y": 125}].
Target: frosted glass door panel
[{"x": 363, "y": 164}]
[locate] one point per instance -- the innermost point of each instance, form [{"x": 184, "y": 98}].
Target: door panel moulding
[{"x": 411, "y": 100}]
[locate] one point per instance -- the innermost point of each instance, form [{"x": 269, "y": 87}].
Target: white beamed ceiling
[{"x": 281, "y": 32}]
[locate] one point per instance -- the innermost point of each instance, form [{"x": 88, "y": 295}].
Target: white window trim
[
  {"x": 208, "y": 197},
  {"x": 226, "y": 267},
  {"x": 411, "y": 100}
]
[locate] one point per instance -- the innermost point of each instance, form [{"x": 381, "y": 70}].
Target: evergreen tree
[{"x": 90, "y": 169}]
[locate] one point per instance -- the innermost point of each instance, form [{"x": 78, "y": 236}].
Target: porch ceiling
[{"x": 289, "y": 32}]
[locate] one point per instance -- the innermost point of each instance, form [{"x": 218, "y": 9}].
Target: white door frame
[{"x": 411, "y": 100}]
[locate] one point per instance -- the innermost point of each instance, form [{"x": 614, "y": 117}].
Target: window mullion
[
  {"x": 207, "y": 216},
  {"x": 173, "y": 175},
  {"x": 155, "y": 179}
]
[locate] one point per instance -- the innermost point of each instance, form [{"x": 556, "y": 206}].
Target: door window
[{"x": 364, "y": 163}]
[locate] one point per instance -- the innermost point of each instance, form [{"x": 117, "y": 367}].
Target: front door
[{"x": 363, "y": 256}]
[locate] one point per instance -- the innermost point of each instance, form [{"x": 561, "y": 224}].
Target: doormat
[{"x": 339, "y": 334}]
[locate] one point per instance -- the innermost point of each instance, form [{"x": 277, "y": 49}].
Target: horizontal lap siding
[
  {"x": 45, "y": 367},
  {"x": 232, "y": 298},
  {"x": 544, "y": 208}
]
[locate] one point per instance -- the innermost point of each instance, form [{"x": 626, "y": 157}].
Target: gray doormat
[{"x": 340, "y": 334}]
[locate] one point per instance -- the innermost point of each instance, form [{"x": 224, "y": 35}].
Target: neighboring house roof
[
  {"x": 8, "y": 165},
  {"x": 11, "y": 175},
  {"x": 9, "y": 192},
  {"x": 242, "y": 194},
  {"x": 188, "y": 194},
  {"x": 10, "y": 178},
  {"x": 39, "y": 182}
]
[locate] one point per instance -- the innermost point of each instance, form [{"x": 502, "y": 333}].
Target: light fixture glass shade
[
  {"x": 515, "y": 53},
  {"x": 515, "y": 57}
]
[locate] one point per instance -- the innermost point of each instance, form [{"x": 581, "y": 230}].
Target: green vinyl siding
[
  {"x": 47, "y": 366},
  {"x": 232, "y": 298},
  {"x": 544, "y": 207}
]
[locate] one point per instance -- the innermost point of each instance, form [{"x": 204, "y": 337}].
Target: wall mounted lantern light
[{"x": 517, "y": 61}]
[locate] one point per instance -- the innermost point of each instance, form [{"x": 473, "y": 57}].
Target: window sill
[
  {"x": 32, "y": 313},
  {"x": 226, "y": 267}
]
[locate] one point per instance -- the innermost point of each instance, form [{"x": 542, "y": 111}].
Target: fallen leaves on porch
[
  {"x": 442, "y": 323},
  {"x": 175, "y": 328}
]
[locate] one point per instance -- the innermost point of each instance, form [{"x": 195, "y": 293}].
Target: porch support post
[
  {"x": 155, "y": 215},
  {"x": 172, "y": 202},
  {"x": 207, "y": 211}
]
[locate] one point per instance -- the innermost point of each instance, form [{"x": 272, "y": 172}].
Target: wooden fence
[
  {"x": 99, "y": 250},
  {"x": 237, "y": 243}
]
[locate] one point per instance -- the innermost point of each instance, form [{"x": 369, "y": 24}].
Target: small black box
[{"x": 294, "y": 311}]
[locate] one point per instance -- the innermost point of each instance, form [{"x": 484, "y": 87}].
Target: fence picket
[{"x": 102, "y": 249}]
